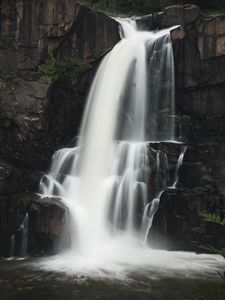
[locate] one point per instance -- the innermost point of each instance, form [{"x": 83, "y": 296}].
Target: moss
[
  {"x": 53, "y": 69},
  {"x": 152, "y": 158},
  {"x": 211, "y": 12},
  {"x": 125, "y": 8},
  {"x": 164, "y": 110},
  {"x": 7, "y": 82},
  {"x": 213, "y": 218}
]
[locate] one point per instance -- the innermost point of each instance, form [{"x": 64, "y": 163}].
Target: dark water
[{"x": 20, "y": 280}]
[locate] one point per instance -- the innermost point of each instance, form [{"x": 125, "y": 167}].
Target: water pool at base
[{"x": 22, "y": 280}]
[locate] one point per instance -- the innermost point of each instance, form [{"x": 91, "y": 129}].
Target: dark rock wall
[
  {"x": 35, "y": 118},
  {"x": 199, "y": 49}
]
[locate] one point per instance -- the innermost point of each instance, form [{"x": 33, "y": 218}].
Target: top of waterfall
[{"x": 128, "y": 27}]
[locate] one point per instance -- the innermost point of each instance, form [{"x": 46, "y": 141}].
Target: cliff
[
  {"x": 37, "y": 118},
  {"x": 199, "y": 50}
]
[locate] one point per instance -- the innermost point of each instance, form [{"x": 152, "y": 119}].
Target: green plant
[
  {"x": 53, "y": 69},
  {"x": 213, "y": 250},
  {"x": 129, "y": 7},
  {"x": 152, "y": 158},
  {"x": 213, "y": 218},
  {"x": 134, "y": 7}
]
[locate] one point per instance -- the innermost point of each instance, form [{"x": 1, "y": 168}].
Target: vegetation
[
  {"x": 216, "y": 292},
  {"x": 213, "y": 218},
  {"x": 53, "y": 69},
  {"x": 152, "y": 158},
  {"x": 7, "y": 83},
  {"x": 132, "y": 7}
]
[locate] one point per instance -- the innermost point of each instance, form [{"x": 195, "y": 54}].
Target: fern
[{"x": 213, "y": 218}]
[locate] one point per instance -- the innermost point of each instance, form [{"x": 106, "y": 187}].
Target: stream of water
[{"x": 104, "y": 179}]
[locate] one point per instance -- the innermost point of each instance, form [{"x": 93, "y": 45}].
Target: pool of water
[{"x": 24, "y": 280}]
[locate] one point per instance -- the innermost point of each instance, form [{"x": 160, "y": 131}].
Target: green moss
[
  {"x": 164, "y": 110},
  {"x": 211, "y": 12},
  {"x": 213, "y": 218},
  {"x": 53, "y": 69},
  {"x": 7, "y": 82},
  {"x": 152, "y": 158},
  {"x": 125, "y": 8}
]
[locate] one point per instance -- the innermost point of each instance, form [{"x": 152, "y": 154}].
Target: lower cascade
[{"x": 105, "y": 180}]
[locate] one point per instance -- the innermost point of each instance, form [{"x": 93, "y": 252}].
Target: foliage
[
  {"x": 217, "y": 293},
  {"x": 213, "y": 218},
  {"x": 129, "y": 7},
  {"x": 152, "y": 158},
  {"x": 53, "y": 69},
  {"x": 132, "y": 7},
  {"x": 213, "y": 250}
]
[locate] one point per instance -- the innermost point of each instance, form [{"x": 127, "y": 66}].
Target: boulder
[{"x": 46, "y": 221}]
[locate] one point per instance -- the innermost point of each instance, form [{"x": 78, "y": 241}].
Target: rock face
[
  {"x": 45, "y": 224},
  {"x": 170, "y": 16},
  {"x": 35, "y": 118},
  {"x": 200, "y": 88}
]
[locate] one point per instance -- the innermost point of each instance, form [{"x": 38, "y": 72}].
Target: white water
[
  {"x": 104, "y": 180},
  {"x": 178, "y": 166},
  {"x": 24, "y": 237}
]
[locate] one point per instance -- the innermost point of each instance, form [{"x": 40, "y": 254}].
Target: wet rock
[
  {"x": 179, "y": 15},
  {"x": 211, "y": 37},
  {"x": 170, "y": 16},
  {"x": 48, "y": 219},
  {"x": 92, "y": 35},
  {"x": 16, "y": 180},
  {"x": 30, "y": 29},
  {"x": 179, "y": 222},
  {"x": 46, "y": 223}
]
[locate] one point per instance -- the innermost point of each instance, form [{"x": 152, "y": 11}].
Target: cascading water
[
  {"x": 179, "y": 164},
  {"x": 104, "y": 180}
]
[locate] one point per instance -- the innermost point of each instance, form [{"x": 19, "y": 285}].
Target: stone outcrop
[
  {"x": 200, "y": 88},
  {"x": 46, "y": 223},
  {"x": 30, "y": 29},
  {"x": 171, "y": 16}
]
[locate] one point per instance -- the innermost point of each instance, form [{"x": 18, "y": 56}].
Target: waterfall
[
  {"x": 179, "y": 164},
  {"x": 19, "y": 241},
  {"x": 24, "y": 237},
  {"x": 104, "y": 180}
]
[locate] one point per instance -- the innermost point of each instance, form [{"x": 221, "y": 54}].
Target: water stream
[{"x": 104, "y": 179}]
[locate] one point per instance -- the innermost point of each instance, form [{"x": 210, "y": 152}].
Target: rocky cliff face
[
  {"x": 199, "y": 49},
  {"x": 36, "y": 118}
]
